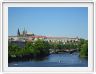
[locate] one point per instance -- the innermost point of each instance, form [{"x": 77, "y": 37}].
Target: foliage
[
  {"x": 12, "y": 50},
  {"x": 84, "y": 49},
  {"x": 40, "y": 48},
  {"x": 69, "y": 45},
  {"x": 36, "y": 49}
]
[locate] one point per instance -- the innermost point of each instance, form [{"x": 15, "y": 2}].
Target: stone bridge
[{"x": 62, "y": 50}]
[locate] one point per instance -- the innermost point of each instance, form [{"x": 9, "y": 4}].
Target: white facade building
[{"x": 49, "y": 39}]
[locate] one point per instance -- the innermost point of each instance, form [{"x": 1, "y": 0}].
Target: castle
[{"x": 25, "y": 36}]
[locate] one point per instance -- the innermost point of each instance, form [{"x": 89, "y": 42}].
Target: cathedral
[{"x": 24, "y": 33}]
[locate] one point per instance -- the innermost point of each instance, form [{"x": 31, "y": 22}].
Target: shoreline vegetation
[{"x": 40, "y": 49}]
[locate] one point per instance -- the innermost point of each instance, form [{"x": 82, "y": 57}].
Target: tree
[
  {"x": 41, "y": 47},
  {"x": 79, "y": 44},
  {"x": 13, "y": 50},
  {"x": 84, "y": 49}
]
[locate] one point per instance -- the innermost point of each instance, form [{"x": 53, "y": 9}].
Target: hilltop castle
[{"x": 25, "y": 36}]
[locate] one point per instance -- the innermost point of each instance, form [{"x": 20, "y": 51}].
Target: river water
[{"x": 54, "y": 60}]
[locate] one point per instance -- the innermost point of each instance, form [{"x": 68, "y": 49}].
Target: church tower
[
  {"x": 24, "y": 32},
  {"x": 18, "y": 32}
]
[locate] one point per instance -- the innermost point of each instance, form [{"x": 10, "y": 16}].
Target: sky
[{"x": 49, "y": 21}]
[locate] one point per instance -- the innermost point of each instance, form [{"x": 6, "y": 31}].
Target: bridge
[{"x": 63, "y": 50}]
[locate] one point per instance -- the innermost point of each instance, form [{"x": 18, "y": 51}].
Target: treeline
[
  {"x": 40, "y": 48},
  {"x": 60, "y": 45}
]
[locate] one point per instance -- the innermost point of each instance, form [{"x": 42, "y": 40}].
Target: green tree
[
  {"x": 12, "y": 50},
  {"x": 41, "y": 47},
  {"x": 84, "y": 49}
]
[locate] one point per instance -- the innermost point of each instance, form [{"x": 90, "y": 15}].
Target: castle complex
[{"x": 25, "y": 36}]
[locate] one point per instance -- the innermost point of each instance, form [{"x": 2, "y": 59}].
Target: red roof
[
  {"x": 56, "y": 37},
  {"x": 38, "y": 36},
  {"x": 46, "y": 37}
]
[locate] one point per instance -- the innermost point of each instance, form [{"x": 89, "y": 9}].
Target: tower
[
  {"x": 24, "y": 32},
  {"x": 18, "y": 32}
]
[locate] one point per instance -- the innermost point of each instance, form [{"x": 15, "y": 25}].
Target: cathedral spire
[
  {"x": 24, "y": 32},
  {"x": 18, "y": 33}
]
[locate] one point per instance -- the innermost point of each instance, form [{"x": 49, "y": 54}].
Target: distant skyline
[{"x": 49, "y": 21}]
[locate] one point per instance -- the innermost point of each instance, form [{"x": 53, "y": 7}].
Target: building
[
  {"x": 25, "y": 36},
  {"x": 24, "y": 33},
  {"x": 62, "y": 39}
]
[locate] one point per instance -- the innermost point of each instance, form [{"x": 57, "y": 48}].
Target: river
[{"x": 54, "y": 60}]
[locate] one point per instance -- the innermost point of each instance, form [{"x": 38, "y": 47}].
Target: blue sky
[{"x": 49, "y": 21}]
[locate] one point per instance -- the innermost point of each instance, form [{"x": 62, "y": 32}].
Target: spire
[
  {"x": 18, "y": 33},
  {"x": 24, "y": 32}
]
